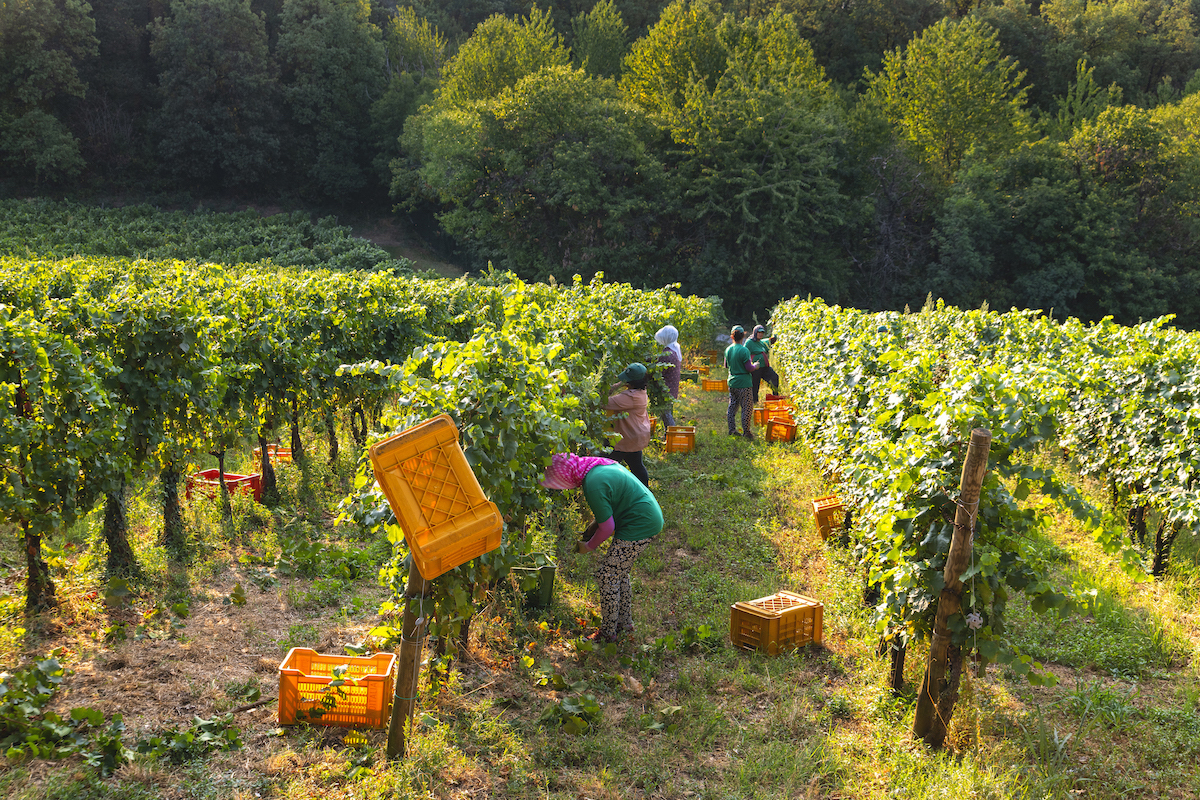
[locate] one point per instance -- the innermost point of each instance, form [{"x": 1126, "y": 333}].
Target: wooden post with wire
[
  {"x": 408, "y": 670},
  {"x": 939, "y": 689}
]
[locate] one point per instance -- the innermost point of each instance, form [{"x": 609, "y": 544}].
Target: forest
[{"x": 1016, "y": 154}]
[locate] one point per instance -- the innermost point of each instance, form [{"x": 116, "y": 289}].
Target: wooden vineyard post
[
  {"x": 409, "y": 668},
  {"x": 939, "y": 689}
]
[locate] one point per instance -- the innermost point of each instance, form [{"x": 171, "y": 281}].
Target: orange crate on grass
[
  {"x": 828, "y": 514},
  {"x": 680, "y": 439},
  {"x": 277, "y": 454},
  {"x": 779, "y": 622},
  {"x": 714, "y": 386},
  {"x": 439, "y": 503},
  {"x": 208, "y": 481},
  {"x": 363, "y": 702},
  {"x": 780, "y": 430},
  {"x": 760, "y": 415}
]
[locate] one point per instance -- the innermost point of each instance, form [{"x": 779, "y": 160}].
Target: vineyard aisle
[{"x": 674, "y": 712}]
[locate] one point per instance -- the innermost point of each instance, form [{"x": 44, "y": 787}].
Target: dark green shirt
[
  {"x": 613, "y": 491},
  {"x": 736, "y": 356},
  {"x": 760, "y": 350}
]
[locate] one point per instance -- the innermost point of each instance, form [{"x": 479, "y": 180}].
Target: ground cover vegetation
[{"x": 1027, "y": 154}]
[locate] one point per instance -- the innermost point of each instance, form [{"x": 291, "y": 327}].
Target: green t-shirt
[
  {"x": 736, "y": 356},
  {"x": 613, "y": 491},
  {"x": 757, "y": 348}
]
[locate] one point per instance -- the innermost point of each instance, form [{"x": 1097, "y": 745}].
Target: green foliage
[
  {"x": 217, "y": 123},
  {"x": 576, "y": 713},
  {"x": 41, "y": 46},
  {"x": 203, "y": 737},
  {"x": 332, "y": 62},
  {"x": 500, "y": 52},
  {"x": 951, "y": 90},
  {"x": 599, "y": 40}
]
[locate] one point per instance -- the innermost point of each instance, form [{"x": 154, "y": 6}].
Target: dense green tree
[
  {"x": 217, "y": 124},
  {"x": 599, "y": 41},
  {"x": 950, "y": 91},
  {"x": 500, "y": 52},
  {"x": 110, "y": 121},
  {"x": 42, "y": 43},
  {"x": 1083, "y": 102},
  {"x": 762, "y": 147},
  {"x": 850, "y": 37},
  {"x": 684, "y": 46},
  {"x": 1028, "y": 230},
  {"x": 416, "y": 53},
  {"x": 332, "y": 61},
  {"x": 553, "y": 176}
]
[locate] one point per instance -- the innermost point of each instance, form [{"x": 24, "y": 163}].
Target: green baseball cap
[{"x": 634, "y": 372}]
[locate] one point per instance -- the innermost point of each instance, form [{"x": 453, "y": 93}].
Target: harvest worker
[
  {"x": 634, "y": 426},
  {"x": 740, "y": 365},
  {"x": 672, "y": 356},
  {"x": 760, "y": 353},
  {"x": 625, "y": 510}
]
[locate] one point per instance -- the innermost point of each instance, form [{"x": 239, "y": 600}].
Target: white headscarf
[{"x": 668, "y": 337}]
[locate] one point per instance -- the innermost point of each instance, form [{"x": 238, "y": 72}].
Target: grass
[{"x": 670, "y": 721}]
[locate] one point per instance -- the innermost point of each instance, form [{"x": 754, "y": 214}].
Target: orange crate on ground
[
  {"x": 680, "y": 439},
  {"x": 782, "y": 621},
  {"x": 276, "y": 453},
  {"x": 714, "y": 386},
  {"x": 780, "y": 430},
  {"x": 779, "y": 412},
  {"x": 208, "y": 481},
  {"x": 364, "y": 702},
  {"x": 439, "y": 503},
  {"x": 760, "y": 415},
  {"x": 828, "y": 514}
]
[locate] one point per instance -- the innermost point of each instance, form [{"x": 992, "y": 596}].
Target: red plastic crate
[
  {"x": 209, "y": 480},
  {"x": 439, "y": 503},
  {"x": 364, "y": 701},
  {"x": 782, "y": 621}
]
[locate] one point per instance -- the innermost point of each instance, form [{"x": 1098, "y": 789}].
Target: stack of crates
[
  {"x": 680, "y": 439},
  {"x": 779, "y": 622},
  {"x": 446, "y": 518},
  {"x": 828, "y": 514}
]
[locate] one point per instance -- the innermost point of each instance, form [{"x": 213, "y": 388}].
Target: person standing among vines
[
  {"x": 740, "y": 366},
  {"x": 634, "y": 426},
  {"x": 624, "y": 510},
  {"x": 760, "y": 353},
  {"x": 672, "y": 358}
]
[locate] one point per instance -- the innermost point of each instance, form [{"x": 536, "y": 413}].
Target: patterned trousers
[
  {"x": 616, "y": 590},
  {"x": 740, "y": 397}
]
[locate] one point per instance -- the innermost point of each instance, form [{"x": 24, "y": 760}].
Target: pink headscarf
[{"x": 567, "y": 470}]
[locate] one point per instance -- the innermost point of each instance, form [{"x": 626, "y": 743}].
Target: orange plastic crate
[
  {"x": 277, "y": 454},
  {"x": 760, "y": 415},
  {"x": 779, "y": 412},
  {"x": 653, "y": 425},
  {"x": 780, "y": 430},
  {"x": 828, "y": 514},
  {"x": 782, "y": 621},
  {"x": 208, "y": 480},
  {"x": 364, "y": 702},
  {"x": 714, "y": 386},
  {"x": 446, "y": 519},
  {"x": 681, "y": 439}
]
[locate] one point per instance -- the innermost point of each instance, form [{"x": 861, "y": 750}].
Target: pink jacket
[{"x": 634, "y": 428}]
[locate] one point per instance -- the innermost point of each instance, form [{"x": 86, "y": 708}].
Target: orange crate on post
[
  {"x": 277, "y": 454},
  {"x": 439, "y": 503},
  {"x": 713, "y": 386},
  {"x": 681, "y": 439},
  {"x": 364, "y": 701},
  {"x": 782, "y": 621},
  {"x": 828, "y": 514},
  {"x": 780, "y": 430},
  {"x": 209, "y": 480}
]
